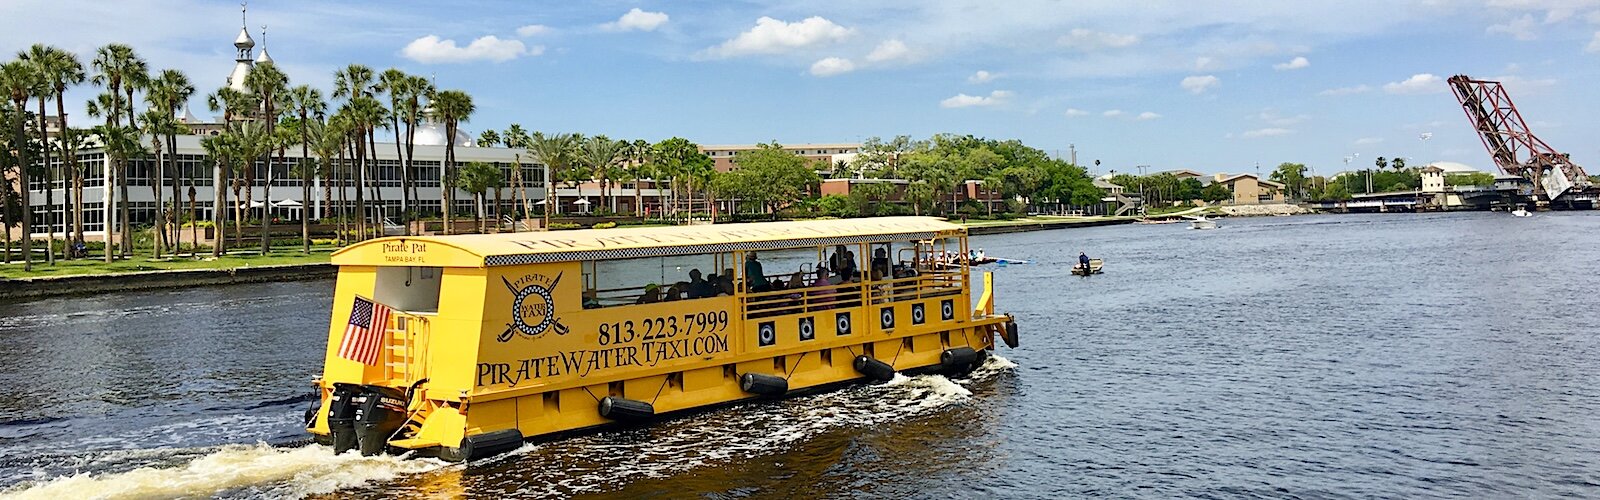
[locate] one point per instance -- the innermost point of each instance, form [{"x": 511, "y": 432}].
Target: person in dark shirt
[
  {"x": 880, "y": 262},
  {"x": 754, "y": 277},
  {"x": 1083, "y": 261},
  {"x": 698, "y": 287}
]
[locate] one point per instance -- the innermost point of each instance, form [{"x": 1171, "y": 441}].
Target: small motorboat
[
  {"x": 1521, "y": 212},
  {"x": 1094, "y": 268},
  {"x": 1201, "y": 222}
]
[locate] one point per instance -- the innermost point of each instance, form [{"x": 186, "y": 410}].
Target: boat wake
[
  {"x": 233, "y": 470},
  {"x": 588, "y": 464}
]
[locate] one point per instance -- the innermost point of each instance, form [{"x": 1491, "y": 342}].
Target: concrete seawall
[
  {"x": 150, "y": 280},
  {"x": 1041, "y": 225}
]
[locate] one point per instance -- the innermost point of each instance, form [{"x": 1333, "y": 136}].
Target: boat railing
[
  {"x": 405, "y": 347},
  {"x": 851, "y": 294}
]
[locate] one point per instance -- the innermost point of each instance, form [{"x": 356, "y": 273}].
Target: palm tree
[
  {"x": 250, "y": 141},
  {"x": 268, "y": 84},
  {"x": 451, "y": 107},
  {"x": 55, "y": 68},
  {"x": 600, "y": 156},
  {"x": 397, "y": 84},
  {"x": 60, "y": 69},
  {"x": 364, "y": 114},
  {"x": 19, "y": 81},
  {"x": 121, "y": 71},
  {"x": 120, "y": 143},
  {"x": 221, "y": 150},
  {"x": 416, "y": 88},
  {"x": 326, "y": 139},
  {"x": 156, "y": 124},
  {"x": 307, "y": 101},
  {"x": 167, "y": 92},
  {"x": 556, "y": 153},
  {"x": 477, "y": 178},
  {"x": 516, "y": 138}
]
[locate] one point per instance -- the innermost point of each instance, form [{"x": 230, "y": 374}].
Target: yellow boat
[{"x": 464, "y": 346}]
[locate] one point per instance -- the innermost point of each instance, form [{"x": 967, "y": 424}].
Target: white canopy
[
  {"x": 288, "y": 202},
  {"x": 581, "y": 201}
]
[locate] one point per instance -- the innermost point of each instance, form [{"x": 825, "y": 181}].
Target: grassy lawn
[
  {"x": 145, "y": 263},
  {"x": 1034, "y": 220}
]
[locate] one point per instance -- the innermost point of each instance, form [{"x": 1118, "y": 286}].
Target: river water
[{"x": 1382, "y": 355}]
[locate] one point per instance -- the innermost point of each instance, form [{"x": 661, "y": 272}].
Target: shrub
[
  {"x": 564, "y": 225},
  {"x": 605, "y": 225}
]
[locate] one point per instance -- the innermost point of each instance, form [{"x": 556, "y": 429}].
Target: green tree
[
  {"x": 452, "y": 107},
  {"x": 269, "y": 86},
  {"x": 167, "y": 94},
  {"x": 477, "y": 178},
  {"x": 682, "y": 161},
  {"x": 600, "y": 156},
  {"x": 1292, "y": 176},
  {"x": 19, "y": 81},
  {"x": 557, "y": 152},
  {"x": 308, "y": 104},
  {"x": 1336, "y": 192},
  {"x": 768, "y": 176},
  {"x": 1398, "y": 164},
  {"x": 60, "y": 69},
  {"x": 1216, "y": 193}
]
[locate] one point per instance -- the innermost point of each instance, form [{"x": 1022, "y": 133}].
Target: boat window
[
  {"x": 610, "y": 283},
  {"x": 409, "y": 289}
]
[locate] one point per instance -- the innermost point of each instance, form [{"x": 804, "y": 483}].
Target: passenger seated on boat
[
  {"x": 880, "y": 290},
  {"x": 725, "y": 284},
  {"x": 880, "y": 262},
  {"x": 651, "y": 295},
  {"x": 674, "y": 292},
  {"x": 821, "y": 296},
  {"x": 698, "y": 287},
  {"x": 754, "y": 278}
]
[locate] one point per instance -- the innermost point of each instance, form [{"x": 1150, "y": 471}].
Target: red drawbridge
[{"x": 1513, "y": 146}]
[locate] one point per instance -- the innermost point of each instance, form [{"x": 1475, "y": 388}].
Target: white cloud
[
  {"x": 1367, "y": 141},
  {"x": 1199, "y": 84},
  {"x": 772, "y": 36},
  {"x": 889, "y": 50},
  {"x": 1071, "y": 112},
  {"x": 1147, "y": 116},
  {"x": 1523, "y": 28},
  {"x": 995, "y": 98},
  {"x": 832, "y": 66},
  {"x": 1090, "y": 40},
  {"x": 1205, "y": 64},
  {"x": 1296, "y": 63},
  {"x": 637, "y": 19},
  {"x": 1420, "y": 83},
  {"x": 982, "y": 77},
  {"x": 1265, "y": 132},
  {"x": 1112, "y": 113},
  {"x": 1594, "y": 44},
  {"x": 433, "y": 50},
  {"x": 532, "y": 30},
  {"x": 1358, "y": 89},
  {"x": 1271, "y": 117}
]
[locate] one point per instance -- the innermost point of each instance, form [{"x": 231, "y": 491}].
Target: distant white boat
[
  {"x": 1201, "y": 222},
  {"x": 1521, "y": 212}
]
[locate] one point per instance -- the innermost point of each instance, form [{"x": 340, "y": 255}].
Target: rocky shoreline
[{"x": 1264, "y": 210}]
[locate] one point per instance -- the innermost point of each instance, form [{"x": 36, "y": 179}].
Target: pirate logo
[
  {"x": 842, "y": 321},
  {"x": 532, "y": 308},
  {"x": 808, "y": 328},
  {"x": 947, "y": 310}
]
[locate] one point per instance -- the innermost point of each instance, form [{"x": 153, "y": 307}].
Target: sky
[{"x": 1213, "y": 86}]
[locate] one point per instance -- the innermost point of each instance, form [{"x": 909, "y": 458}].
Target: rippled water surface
[{"x": 1321, "y": 356}]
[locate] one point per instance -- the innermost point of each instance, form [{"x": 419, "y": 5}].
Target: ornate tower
[{"x": 243, "y": 62}]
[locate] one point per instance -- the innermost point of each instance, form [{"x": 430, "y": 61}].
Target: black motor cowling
[
  {"x": 379, "y": 415},
  {"x": 342, "y": 415}
]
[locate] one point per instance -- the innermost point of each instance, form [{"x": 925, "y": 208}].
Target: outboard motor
[
  {"x": 342, "y": 415},
  {"x": 380, "y": 414}
]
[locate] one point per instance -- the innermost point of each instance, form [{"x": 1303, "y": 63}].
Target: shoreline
[{"x": 84, "y": 284}]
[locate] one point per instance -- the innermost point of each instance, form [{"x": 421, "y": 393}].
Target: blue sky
[{"x": 1210, "y": 86}]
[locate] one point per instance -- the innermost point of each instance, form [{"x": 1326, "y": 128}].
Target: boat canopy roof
[{"x": 504, "y": 249}]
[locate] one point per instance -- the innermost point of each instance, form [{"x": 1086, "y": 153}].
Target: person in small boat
[
  {"x": 1083, "y": 261},
  {"x": 981, "y": 255}
]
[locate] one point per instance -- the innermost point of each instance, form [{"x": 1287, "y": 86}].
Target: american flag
[{"x": 363, "y": 337}]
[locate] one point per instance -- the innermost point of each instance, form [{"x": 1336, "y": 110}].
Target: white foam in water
[{"x": 279, "y": 472}]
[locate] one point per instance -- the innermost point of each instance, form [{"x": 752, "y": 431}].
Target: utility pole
[{"x": 1073, "y": 150}]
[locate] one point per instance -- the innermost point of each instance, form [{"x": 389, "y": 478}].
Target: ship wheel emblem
[
  {"x": 842, "y": 320},
  {"x": 808, "y": 328},
  {"x": 767, "y": 334}
]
